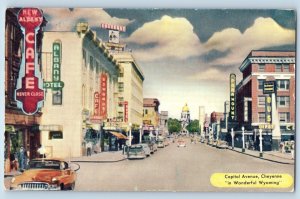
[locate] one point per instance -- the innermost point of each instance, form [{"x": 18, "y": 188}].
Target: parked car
[
  {"x": 136, "y": 152},
  {"x": 146, "y": 148},
  {"x": 181, "y": 143},
  {"x": 160, "y": 144},
  {"x": 45, "y": 174},
  {"x": 221, "y": 144}
]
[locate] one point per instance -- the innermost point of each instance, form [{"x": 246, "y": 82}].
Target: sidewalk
[
  {"x": 107, "y": 156},
  {"x": 273, "y": 156}
]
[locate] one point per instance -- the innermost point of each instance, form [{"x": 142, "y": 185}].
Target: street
[{"x": 174, "y": 169}]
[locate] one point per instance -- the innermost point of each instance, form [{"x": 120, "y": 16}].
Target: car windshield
[
  {"x": 44, "y": 164},
  {"x": 135, "y": 149}
]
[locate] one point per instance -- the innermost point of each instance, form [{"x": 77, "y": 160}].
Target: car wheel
[{"x": 72, "y": 187}]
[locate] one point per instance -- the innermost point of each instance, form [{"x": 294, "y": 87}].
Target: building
[
  {"x": 201, "y": 119},
  {"x": 151, "y": 114},
  {"x": 185, "y": 118},
  {"x": 257, "y": 68},
  {"x": 163, "y": 125},
  {"x": 130, "y": 90},
  {"x": 20, "y": 129},
  {"x": 84, "y": 91}
]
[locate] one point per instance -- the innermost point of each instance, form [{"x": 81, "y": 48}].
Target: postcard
[{"x": 180, "y": 100}]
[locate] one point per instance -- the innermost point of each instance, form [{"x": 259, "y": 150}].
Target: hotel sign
[
  {"x": 232, "y": 84},
  {"x": 29, "y": 92},
  {"x": 103, "y": 95},
  {"x": 125, "y": 111},
  {"x": 96, "y": 104},
  {"x": 269, "y": 87}
]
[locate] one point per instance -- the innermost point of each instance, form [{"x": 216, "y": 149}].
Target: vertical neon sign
[{"x": 29, "y": 93}]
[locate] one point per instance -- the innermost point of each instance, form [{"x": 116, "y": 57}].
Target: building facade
[
  {"x": 151, "y": 114},
  {"x": 21, "y": 130},
  {"x": 163, "y": 125},
  {"x": 257, "y": 68},
  {"x": 89, "y": 95},
  {"x": 130, "y": 90}
]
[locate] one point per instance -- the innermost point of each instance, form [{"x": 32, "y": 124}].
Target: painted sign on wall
[
  {"x": 103, "y": 95},
  {"x": 29, "y": 92},
  {"x": 232, "y": 115},
  {"x": 125, "y": 111}
]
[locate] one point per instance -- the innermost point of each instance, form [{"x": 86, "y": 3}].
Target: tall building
[
  {"x": 185, "y": 118},
  {"x": 77, "y": 60},
  {"x": 20, "y": 129},
  {"x": 257, "y": 68},
  {"x": 130, "y": 89}
]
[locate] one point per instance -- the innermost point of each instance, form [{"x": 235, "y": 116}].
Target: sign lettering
[
  {"x": 103, "y": 95},
  {"x": 232, "y": 83},
  {"x": 29, "y": 93}
]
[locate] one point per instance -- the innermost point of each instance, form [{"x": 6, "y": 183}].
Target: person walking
[{"x": 89, "y": 148}]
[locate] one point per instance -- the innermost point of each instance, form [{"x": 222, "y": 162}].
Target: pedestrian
[
  {"x": 89, "y": 148},
  {"x": 22, "y": 158},
  {"x": 293, "y": 149}
]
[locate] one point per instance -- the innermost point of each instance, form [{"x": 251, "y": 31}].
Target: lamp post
[
  {"x": 260, "y": 143},
  {"x": 156, "y": 133},
  {"x": 141, "y": 128},
  {"x": 232, "y": 138},
  {"x": 130, "y": 136},
  {"x": 243, "y": 132}
]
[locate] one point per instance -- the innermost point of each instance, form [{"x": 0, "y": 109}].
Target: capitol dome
[{"x": 185, "y": 108}]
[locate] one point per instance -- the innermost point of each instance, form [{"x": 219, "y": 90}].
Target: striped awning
[{"x": 118, "y": 135}]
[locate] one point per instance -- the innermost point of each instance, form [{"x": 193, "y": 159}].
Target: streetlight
[
  {"x": 243, "y": 132},
  {"x": 130, "y": 136},
  {"x": 232, "y": 138},
  {"x": 141, "y": 127},
  {"x": 156, "y": 134},
  {"x": 260, "y": 143}
]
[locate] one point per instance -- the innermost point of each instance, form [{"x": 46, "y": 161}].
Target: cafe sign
[{"x": 29, "y": 92}]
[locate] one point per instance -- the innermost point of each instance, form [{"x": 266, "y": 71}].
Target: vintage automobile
[
  {"x": 136, "y": 152},
  {"x": 45, "y": 174},
  {"x": 181, "y": 143},
  {"x": 221, "y": 144}
]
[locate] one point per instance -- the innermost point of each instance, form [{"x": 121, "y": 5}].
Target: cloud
[
  {"x": 65, "y": 19},
  {"x": 172, "y": 37},
  {"x": 211, "y": 74},
  {"x": 265, "y": 32}
]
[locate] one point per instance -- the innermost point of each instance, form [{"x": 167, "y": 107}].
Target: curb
[
  {"x": 262, "y": 158},
  {"x": 98, "y": 161}
]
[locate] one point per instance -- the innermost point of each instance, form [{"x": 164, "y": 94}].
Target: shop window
[
  {"x": 57, "y": 97},
  {"x": 55, "y": 135}
]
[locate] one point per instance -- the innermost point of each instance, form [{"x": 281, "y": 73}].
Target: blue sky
[{"x": 188, "y": 54}]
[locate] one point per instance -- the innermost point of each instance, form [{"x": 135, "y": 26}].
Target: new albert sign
[{"x": 29, "y": 92}]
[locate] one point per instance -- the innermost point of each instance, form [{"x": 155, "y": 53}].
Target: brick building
[
  {"x": 258, "y": 67},
  {"x": 20, "y": 129}
]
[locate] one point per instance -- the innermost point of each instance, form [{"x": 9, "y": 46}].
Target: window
[
  {"x": 278, "y": 68},
  {"x": 262, "y": 117},
  {"x": 284, "y": 117},
  {"x": 91, "y": 63},
  {"x": 97, "y": 67},
  {"x": 84, "y": 57},
  {"x": 121, "y": 74},
  {"x": 261, "y": 101},
  {"x": 121, "y": 86},
  {"x": 261, "y": 67},
  {"x": 260, "y": 84},
  {"x": 55, "y": 135},
  {"x": 57, "y": 97},
  {"x": 283, "y": 101},
  {"x": 120, "y": 114},
  {"x": 286, "y": 68},
  {"x": 283, "y": 84},
  {"x": 146, "y": 111}
]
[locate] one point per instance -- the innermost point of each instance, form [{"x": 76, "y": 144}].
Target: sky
[{"x": 187, "y": 54}]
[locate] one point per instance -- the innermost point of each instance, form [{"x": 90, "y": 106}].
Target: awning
[{"x": 118, "y": 135}]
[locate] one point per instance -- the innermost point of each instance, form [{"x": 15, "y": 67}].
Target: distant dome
[{"x": 185, "y": 108}]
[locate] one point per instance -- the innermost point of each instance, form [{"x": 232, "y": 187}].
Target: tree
[
  {"x": 193, "y": 126},
  {"x": 174, "y": 125}
]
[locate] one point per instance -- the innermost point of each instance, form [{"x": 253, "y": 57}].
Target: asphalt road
[{"x": 175, "y": 169}]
